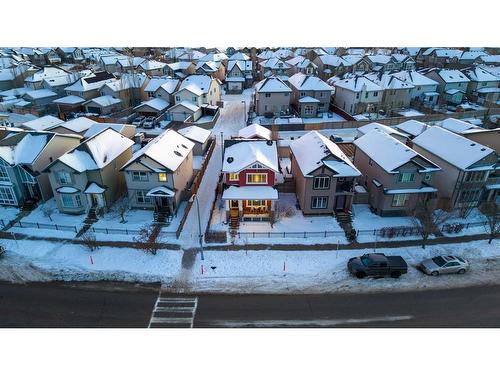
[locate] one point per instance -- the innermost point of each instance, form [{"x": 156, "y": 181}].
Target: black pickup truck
[{"x": 377, "y": 265}]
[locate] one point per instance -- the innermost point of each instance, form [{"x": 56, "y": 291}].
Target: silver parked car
[{"x": 444, "y": 264}]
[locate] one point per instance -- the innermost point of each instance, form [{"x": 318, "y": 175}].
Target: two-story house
[
  {"x": 274, "y": 66},
  {"x": 452, "y": 85},
  {"x": 152, "y": 67},
  {"x": 397, "y": 93},
  {"x": 272, "y": 96},
  {"x": 300, "y": 64},
  {"x": 180, "y": 69},
  {"x": 324, "y": 176},
  {"x": 72, "y": 55},
  {"x": 88, "y": 178},
  {"x": 163, "y": 88},
  {"x": 395, "y": 176},
  {"x": 483, "y": 87},
  {"x": 331, "y": 65},
  {"x": 89, "y": 87},
  {"x": 425, "y": 89},
  {"x": 249, "y": 177},
  {"x": 159, "y": 174},
  {"x": 239, "y": 75},
  {"x": 310, "y": 95},
  {"x": 23, "y": 157},
  {"x": 357, "y": 95},
  {"x": 198, "y": 89},
  {"x": 466, "y": 164},
  {"x": 129, "y": 88}
]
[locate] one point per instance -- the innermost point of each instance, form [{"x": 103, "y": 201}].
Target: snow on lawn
[
  {"x": 42, "y": 260},
  {"x": 8, "y": 213},
  {"x": 241, "y": 271},
  {"x": 325, "y": 271},
  {"x": 70, "y": 224},
  {"x": 365, "y": 220},
  {"x": 474, "y": 223},
  {"x": 287, "y": 229}
]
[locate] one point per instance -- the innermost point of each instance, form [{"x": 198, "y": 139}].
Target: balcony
[{"x": 344, "y": 187}]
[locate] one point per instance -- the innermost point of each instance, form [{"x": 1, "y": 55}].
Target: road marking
[
  {"x": 169, "y": 312},
  {"x": 305, "y": 323}
]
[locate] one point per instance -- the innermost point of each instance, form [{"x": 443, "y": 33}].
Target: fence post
[
  {"x": 75, "y": 228},
  {"x": 325, "y": 233},
  {"x": 38, "y": 225},
  {"x": 268, "y": 234},
  {"x": 107, "y": 231},
  {"x": 253, "y": 234},
  {"x": 305, "y": 235},
  {"x": 56, "y": 227}
]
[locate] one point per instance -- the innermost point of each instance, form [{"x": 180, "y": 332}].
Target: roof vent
[
  {"x": 230, "y": 160},
  {"x": 269, "y": 143},
  {"x": 183, "y": 145},
  {"x": 177, "y": 153},
  {"x": 483, "y": 149},
  {"x": 472, "y": 144}
]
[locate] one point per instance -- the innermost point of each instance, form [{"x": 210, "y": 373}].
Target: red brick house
[{"x": 249, "y": 176}]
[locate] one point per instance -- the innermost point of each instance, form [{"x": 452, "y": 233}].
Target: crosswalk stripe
[{"x": 172, "y": 305}]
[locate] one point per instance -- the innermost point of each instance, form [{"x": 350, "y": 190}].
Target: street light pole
[
  {"x": 199, "y": 227},
  {"x": 245, "y": 110}
]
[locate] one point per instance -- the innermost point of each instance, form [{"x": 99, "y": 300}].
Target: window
[
  {"x": 3, "y": 174},
  {"x": 234, "y": 176},
  {"x": 256, "y": 178},
  {"x": 64, "y": 177},
  {"x": 162, "y": 176},
  {"x": 302, "y": 94},
  {"x": 142, "y": 198},
  {"x": 139, "y": 176},
  {"x": 469, "y": 196},
  {"x": 25, "y": 176},
  {"x": 400, "y": 200},
  {"x": 7, "y": 195},
  {"x": 375, "y": 93},
  {"x": 321, "y": 183},
  {"x": 319, "y": 202},
  {"x": 370, "y": 161},
  {"x": 256, "y": 203},
  {"x": 357, "y": 95},
  {"x": 475, "y": 176},
  {"x": 193, "y": 99},
  {"x": 406, "y": 177},
  {"x": 366, "y": 95},
  {"x": 308, "y": 110},
  {"x": 177, "y": 98},
  {"x": 268, "y": 94},
  {"x": 68, "y": 201},
  {"x": 427, "y": 177}
]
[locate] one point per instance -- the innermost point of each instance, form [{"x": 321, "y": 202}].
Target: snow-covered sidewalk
[{"x": 240, "y": 271}]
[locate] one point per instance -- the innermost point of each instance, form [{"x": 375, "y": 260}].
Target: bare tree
[
  {"x": 122, "y": 207},
  {"x": 89, "y": 241},
  {"x": 492, "y": 212},
  {"x": 148, "y": 238},
  {"x": 48, "y": 212},
  {"x": 427, "y": 220}
]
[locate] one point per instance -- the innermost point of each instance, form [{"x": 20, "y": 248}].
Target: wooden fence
[{"x": 196, "y": 185}]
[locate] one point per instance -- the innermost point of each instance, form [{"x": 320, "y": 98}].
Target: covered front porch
[
  {"x": 249, "y": 203},
  {"x": 163, "y": 200}
]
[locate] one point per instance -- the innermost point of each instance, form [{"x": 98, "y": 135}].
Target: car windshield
[
  {"x": 439, "y": 261},
  {"x": 366, "y": 260}
]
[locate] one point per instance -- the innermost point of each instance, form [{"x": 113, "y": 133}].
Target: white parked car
[{"x": 444, "y": 264}]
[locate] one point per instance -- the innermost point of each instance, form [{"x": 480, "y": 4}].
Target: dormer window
[
  {"x": 162, "y": 176},
  {"x": 63, "y": 177}
]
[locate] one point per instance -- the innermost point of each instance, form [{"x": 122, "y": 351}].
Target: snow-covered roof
[
  {"x": 244, "y": 66},
  {"x": 448, "y": 52},
  {"x": 387, "y": 151},
  {"x": 23, "y": 147},
  {"x": 414, "y": 78},
  {"x": 42, "y": 123},
  {"x": 169, "y": 149},
  {"x": 358, "y": 84},
  {"x": 375, "y": 125},
  {"x": 186, "y": 104},
  {"x": 452, "y": 76},
  {"x": 313, "y": 148},
  {"x": 379, "y": 59},
  {"x": 388, "y": 81},
  {"x": 94, "y": 188},
  {"x": 89, "y": 83},
  {"x": 239, "y": 56},
  {"x": 97, "y": 152},
  {"x": 478, "y": 74},
  {"x": 39, "y": 94},
  {"x": 45, "y": 73},
  {"x": 272, "y": 84},
  {"x": 76, "y": 125},
  {"x": 155, "y": 103},
  {"x": 308, "y": 99},
  {"x": 412, "y": 127},
  {"x": 333, "y": 60},
  {"x": 453, "y": 148},
  {"x": 255, "y": 130},
  {"x": 70, "y": 99},
  {"x": 459, "y": 126},
  {"x": 160, "y": 191},
  {"x": 152, "y": 64},
  {"x": 241, "y": 154},
  {"x": 100, "y": 126},
  {"x": 126, "y": 82},
  {"x": 195, "y": 133},
  {"x": 197, "y": 84},
  {"x": 308, "y": 83},
  {"x": 250, "y": 192},
  {"x": 104, "y": 101}
]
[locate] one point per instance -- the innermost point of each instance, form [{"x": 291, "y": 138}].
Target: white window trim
[
  {"x": 322, "y": 199},
  {"x": 256, "y": 183}
]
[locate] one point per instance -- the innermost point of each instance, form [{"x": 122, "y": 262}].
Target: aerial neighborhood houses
[{"x": 323, "y": 128}]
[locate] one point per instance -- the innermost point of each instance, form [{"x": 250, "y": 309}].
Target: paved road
[
  {"x": 128, "y": 305},
  {"x": 69, "y": 305}
]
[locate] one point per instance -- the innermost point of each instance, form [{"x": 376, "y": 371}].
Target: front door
[
  {"x": 340, "y": 202},
  {"x": 93, "y": 198},
  {"x": 234, "y": 208}
]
